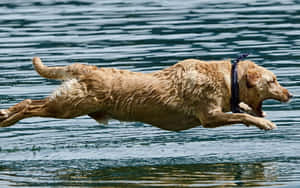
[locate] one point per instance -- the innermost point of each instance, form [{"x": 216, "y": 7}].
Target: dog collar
[{"x": 235, "y": 95}]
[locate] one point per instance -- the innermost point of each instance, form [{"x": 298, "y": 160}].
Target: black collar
[{"x": 235, "y": 97}]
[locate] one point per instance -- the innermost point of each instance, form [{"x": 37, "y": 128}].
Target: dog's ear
[{"x": 252, "y": 77}]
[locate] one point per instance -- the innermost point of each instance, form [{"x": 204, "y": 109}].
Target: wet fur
[{"x": 185, "y": 95}]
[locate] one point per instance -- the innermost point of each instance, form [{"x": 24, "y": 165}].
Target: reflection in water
[{"x": 208, "y": 175}]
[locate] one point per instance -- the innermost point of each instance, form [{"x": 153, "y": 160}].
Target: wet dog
[{"x": 185, "y": 95}]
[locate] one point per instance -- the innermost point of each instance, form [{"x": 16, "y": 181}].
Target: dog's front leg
[
  {"x": 218, "y": 118},
  {"x": 249, "y": 110}
]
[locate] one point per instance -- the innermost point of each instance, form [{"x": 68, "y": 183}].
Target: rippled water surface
[{"x": 146, "y": 36}]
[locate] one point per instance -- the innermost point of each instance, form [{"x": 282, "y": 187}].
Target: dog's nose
[{"x": 290, "y": 95}]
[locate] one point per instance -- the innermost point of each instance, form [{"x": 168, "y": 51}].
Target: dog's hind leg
[
  {"x": 48, "y": 107},
  {"x": 37, "y": 108},
  {"x": 24, "y": 109}
]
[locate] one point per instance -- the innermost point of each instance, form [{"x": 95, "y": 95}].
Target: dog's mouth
[
  {"x": 254, "y": 110},
  {"x": 258, "y": 110}
]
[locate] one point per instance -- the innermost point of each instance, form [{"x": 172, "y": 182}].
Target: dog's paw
[
  {"x": 266, "y": 125},
  {"x": 3, "y": 115},
  {"x": 246, "y": 108}
]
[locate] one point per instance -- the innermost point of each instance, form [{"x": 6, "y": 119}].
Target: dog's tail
[{"x": 61, "y": 73}]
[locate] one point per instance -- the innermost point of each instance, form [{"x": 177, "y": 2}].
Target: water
[{"x": 146, "y": 36}]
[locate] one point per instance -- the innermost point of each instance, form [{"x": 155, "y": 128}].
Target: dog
[{"x": 185, "y": 95}]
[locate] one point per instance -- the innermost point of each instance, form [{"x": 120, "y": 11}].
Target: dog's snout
[{"x": 285, "y": 95}]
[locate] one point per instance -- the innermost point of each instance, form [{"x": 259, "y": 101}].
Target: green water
[{"x": 146, "y": 36}]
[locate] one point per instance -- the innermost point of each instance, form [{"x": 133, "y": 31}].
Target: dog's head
[{"x": 261, "y": 84}]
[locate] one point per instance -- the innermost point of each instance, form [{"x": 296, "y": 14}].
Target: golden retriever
[{"x": 185, "y": 95}]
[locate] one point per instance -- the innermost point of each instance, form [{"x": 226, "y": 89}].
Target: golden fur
[{"x": 185, "y": 95}]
